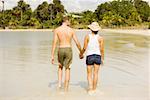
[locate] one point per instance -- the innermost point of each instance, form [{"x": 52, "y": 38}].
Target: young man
[{"x": 64, "y": 34}]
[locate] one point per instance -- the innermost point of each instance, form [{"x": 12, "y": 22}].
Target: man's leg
[
  {"x": 89, "y": 77},
  {"x": 60, "y": 75},
  {"x": 67, "y": 79},
  {"x": 95, "y": 77},
  {"x": 67, "y": 64}
]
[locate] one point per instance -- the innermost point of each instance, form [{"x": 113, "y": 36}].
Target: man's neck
[{"x": 64, "y": 24}]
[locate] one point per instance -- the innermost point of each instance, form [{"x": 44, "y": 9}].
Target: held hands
[
  {"x": 81, "y": 56},
  {"x": 52, "y": 60}
]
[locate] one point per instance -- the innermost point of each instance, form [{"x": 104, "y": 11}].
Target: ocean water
[{"x": 26, "y": 72}]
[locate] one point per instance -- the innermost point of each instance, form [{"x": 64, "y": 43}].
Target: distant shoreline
[
  {"x": 128, "y": 31},
  {"x": 2, "y": 30},
  {"x": 123, "y": 31}
]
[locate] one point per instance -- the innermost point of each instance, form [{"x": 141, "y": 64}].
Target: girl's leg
[
  {"x": 89, "y": 77},
  {"x": 95, "y": 76}
]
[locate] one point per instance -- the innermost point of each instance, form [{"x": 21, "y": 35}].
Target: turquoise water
[{"x": 26, "y": 71}]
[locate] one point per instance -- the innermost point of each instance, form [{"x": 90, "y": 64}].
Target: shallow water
[{"x": 27, "y": 74}]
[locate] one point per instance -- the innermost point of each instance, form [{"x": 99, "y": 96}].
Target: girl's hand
[{"x": 81, "y": 56}]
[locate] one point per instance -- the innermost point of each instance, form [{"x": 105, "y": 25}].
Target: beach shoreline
[
  {"x": 145, "y": 32},
  {"x": 122, "y": 31}
]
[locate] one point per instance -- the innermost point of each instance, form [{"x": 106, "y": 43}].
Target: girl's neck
[{"x": 93, "y": 33}]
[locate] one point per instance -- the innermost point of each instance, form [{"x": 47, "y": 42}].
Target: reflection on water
[{"x": 25, "y": 61}]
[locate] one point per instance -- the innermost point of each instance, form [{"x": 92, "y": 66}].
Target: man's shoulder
[
  {"x": 60, "y": 28},
  {"x": 57, "y": 29},
  {"x": 72, "y": 29}
]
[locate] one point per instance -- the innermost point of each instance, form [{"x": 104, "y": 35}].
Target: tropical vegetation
[{"x": 116, "y": 13}]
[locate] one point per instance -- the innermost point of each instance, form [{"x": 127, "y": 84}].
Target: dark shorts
[
  {"x": 93, "y": 59},
  {"x": 65, "y": 56}
]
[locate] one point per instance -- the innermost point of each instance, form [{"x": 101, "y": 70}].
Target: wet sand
[
  {"x": 27, "y": 74},
  {"x": 129, "y": 31},
  {"x": 123, "y": 31}
]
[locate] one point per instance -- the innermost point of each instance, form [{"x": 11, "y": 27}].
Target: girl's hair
[{"x": 95, "y": 32}]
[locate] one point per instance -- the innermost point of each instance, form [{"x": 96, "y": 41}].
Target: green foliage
[
  {"x": 42, "y": 12},
  {"x": 109, "y": 14},
  {"x": 102, "y": 9},
  {"x": 19, "y": 15},
  {"x": 87, "y": 17},
  {"x": 143, "y": 9},
  {"x": 112, "y": 19},
  {"x": 119, "y": 12},
  {"x": 50, "y": 14},
  {"x": 33, "y": 22},
  {"x": 7, "y": 17}
]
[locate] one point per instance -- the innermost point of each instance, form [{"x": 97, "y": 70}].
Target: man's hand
[
  {"x": 81, "y": 56},
  {"x": 52, "y": 60}
]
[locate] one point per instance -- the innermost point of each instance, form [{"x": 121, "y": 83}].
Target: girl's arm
[{"x": 101, "y": 42}]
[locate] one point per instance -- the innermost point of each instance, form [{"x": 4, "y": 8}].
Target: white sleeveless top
[{"x": 93, "y": 45}]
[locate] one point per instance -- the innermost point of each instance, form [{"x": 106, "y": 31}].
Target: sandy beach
[
  {"x": 125, "y": 31},
  {"x": 129, "y": 31},
  {"x": 27, "y": 74},
  {"x": 21, "y": 30}
]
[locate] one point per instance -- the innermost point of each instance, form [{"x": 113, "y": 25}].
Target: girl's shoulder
[{"x": 100, "y": 38}]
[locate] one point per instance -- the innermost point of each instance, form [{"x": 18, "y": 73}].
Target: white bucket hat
[{"x": 94, "y": 26}]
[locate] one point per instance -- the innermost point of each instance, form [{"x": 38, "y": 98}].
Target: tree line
[{"x": 117, "y": 13}]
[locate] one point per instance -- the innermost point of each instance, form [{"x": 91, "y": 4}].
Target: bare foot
[
  {"x": 91, "y": 92},
  {"x": 98, "y": 92},
  {"x": 59, "y": 87}
]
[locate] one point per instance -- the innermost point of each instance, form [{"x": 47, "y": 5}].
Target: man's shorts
[
  {"x": 93, "y": 59},
  {"x": 65, "y": 56}
]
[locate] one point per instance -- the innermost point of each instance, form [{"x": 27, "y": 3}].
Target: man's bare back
[{"x": 65, "y": 35}]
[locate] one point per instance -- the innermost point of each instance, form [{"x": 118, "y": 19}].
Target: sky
[{"x": 70, "y": 5}]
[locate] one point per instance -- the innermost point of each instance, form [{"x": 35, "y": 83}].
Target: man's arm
[
  {"x": 55, "y": 38},
  {"x": 86, "y": 39},
  {"x": 76, "y": 41},
  {"x": 101, "y": 42}
]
